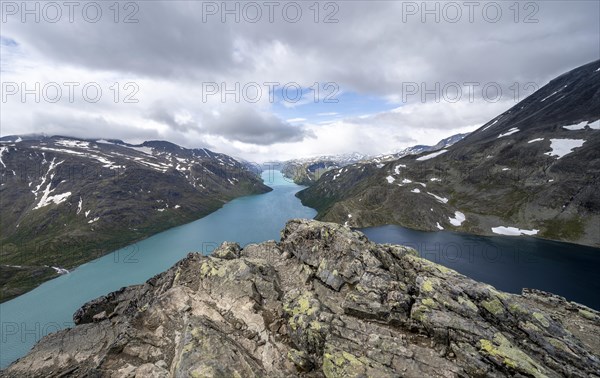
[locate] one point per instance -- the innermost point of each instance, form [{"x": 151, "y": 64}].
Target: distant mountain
[
  {"x": 418, "y": 149},
  {"x": 534, "y": 169},
  {"x": 308, "y": 170},
  {"x": 66, "y": 201}
]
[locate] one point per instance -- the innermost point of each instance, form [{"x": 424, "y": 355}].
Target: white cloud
[{"x": 370, "y": 53}]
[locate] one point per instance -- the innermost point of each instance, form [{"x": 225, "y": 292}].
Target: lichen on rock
[{"x": 322, "y": 302}]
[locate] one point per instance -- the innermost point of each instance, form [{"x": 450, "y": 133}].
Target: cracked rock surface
[{"x": 322, "y": 302}]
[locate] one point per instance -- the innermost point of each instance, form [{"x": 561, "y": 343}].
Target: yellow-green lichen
[
  {"x": 529, "y": 326},
  {"x": 188, "y": 347},
  {"x": 541, "y": 319},
  {"x": 315, "y": 325},
  {"x": 418, "y": 312},
  {"x": 467, "y": 302},
  {"x": 301, "y": 310},
  {"x": 496, "y": 293},
  {"x": 428, "y": 302},
  {"x": 209, "y": 268},
  {"x": 516, "y": 309},
  {"x": 559, "y": 345},
  {"x": 494, "y": 306},
  {"x": 342, "y": 364},
  {"x": 427, "y": 286},
  {"x": 444, "y": 270},
  {"x": 587, "y": 314},
  {"x": 512, "y": 357}
]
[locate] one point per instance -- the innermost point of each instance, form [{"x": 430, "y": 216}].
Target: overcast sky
[{"x": 354, "y": 71}]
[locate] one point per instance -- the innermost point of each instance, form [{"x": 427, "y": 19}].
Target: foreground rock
[{"x": 324, "y": 301}]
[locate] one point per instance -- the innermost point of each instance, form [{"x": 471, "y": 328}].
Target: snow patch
[
  {"x": 581, "y": 125},
  {"x": 416, "y": 190},
  {"x": 390, "y": 179},
  {"x": 438, "y": 198},
  {"x": 512, "y": 231},
  {"x": 487, "y": 127},
  {"x": 562, "y": 147},
  {"x": 60, "y": 270},
  {"x": 2, "y": 149},
  {"x": 94, "y": 220},
  {"x": 79, "y": 205},
  {"x": 555, "y": 92},
  {"x": 145, "y": 150},
  {"x": 509, "y": 132},
  {"x": 56, "y": 199},
  {"x": 431, "y": 156},
  {"x": 458, "y": 219},
  {"x": 437, "y": 224},
  {"x": 536, "y": 140},
  {"x": 594, "y": 125},
  {"x": 397, "y": 168},
  {"x": 73, "y": 143}
]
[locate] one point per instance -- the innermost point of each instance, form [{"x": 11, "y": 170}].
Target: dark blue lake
[{"x": 508, "y": 263}]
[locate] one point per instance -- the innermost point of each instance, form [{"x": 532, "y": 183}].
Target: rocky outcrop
[{"x": 324, "y": 301}]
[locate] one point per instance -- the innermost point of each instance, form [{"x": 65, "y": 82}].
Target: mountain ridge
[
  {"x": 66, "y": 201},
  {"x": 533, "y": 169}
]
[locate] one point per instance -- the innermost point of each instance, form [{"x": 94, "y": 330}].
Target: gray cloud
[
  {"x": 370, "y": 51},
  {"x": 249, "y": 126},
  {"x": 165, "y": 115},
  {"x": 87, "y": 127}
]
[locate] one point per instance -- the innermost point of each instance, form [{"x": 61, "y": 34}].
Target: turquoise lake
[
  {"x": 50, "y": 306},
  {"x": 509, "y": 263}
]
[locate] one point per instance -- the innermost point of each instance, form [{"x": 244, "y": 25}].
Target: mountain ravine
[
  {"x": 534, "y": 170},
  {"x": 66, "y": 201},
  {"x": 322, "y": 302}
]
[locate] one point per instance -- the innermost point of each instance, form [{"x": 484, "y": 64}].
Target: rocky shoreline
[{"x": 324, "y": 301}]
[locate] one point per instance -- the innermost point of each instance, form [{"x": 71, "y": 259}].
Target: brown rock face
[{"x": 324, "y": 301}]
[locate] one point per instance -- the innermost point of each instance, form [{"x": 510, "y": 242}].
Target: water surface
[
  {"x": 508, "y": 263},
  {"x": 50, "y": 307}
]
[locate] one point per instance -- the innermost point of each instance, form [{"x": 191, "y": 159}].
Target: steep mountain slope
[
  {"x": 308, "y": 171},
  {"x": 65, "y": 201},
  {"x": 534, "y": 169},
  {"x": 323, "y": 302}
]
